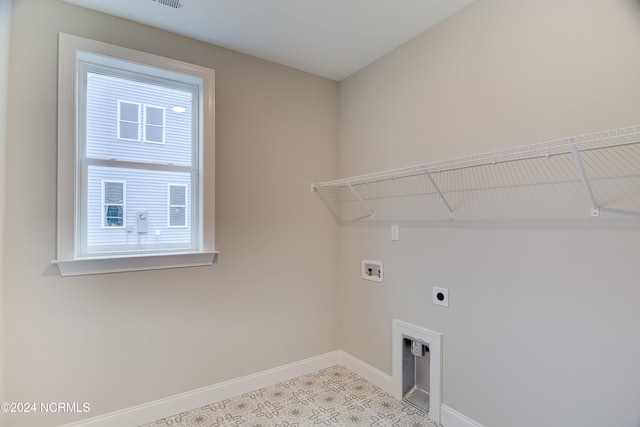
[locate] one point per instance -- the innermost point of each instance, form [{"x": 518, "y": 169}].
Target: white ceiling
[{"x": 330, "y": 38}]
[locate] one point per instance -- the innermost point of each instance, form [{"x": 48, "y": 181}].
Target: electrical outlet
[
  {"x": 394, "y": 233},
  {"x": 441, "y": 296}
]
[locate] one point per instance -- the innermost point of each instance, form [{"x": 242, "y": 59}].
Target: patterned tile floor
[{"x": 331, "y": 397}]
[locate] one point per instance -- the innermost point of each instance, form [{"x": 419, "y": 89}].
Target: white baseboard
[
  {"x": 366, "y": 371},
  {"x": 453, "y": 418},
  {"x": 172, "y": 405}
]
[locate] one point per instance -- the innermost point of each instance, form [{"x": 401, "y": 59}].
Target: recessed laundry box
[
  {"x": 416, "y": 378},
  {"x": 417, "y": 367}
]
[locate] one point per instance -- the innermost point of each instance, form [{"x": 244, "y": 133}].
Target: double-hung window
[
  {"x": 154, "y": 124},
  {"x": 128, "y": 121},
  {"x": 113, "y": 195},
  {"x": 135, "y": 160}
]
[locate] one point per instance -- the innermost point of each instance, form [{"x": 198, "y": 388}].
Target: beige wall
[
  {"x": 5, "y": 32},
  {"x": 128, "y": 338},
  {"x": 543, "y": 323}
]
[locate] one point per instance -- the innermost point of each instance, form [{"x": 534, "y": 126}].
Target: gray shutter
[{"x": 177, "y": 205}]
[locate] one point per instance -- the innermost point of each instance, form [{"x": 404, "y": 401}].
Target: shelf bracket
[
  {"x": 595, "y": 210},
  {"x": 433, "y": 182},
  {"x": 370, "y": 214}
]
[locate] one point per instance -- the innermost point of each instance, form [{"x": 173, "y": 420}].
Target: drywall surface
[
  {"x": 123, "y": 339},
  {"x": 543, "y": 316},
  {"x": 5, "y": 36}
]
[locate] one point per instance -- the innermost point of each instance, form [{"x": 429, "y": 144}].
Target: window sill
[{"x": 86, "y": 266}]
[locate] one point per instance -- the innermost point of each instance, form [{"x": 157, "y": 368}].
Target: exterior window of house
[
  {"x": 154, "y": 124},
  {"x": 177, "y": 205},
  {"x": 128, "y": 121},
  {"x": 113, "y": 198},
  {"x": 108, "y": 95}
]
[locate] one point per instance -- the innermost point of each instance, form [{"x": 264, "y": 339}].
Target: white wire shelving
[{"x": 593, "y": 175}]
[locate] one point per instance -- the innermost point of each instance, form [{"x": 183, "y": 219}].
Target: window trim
[
  {"x": 118, "y": 136},
  {"x": 103, "y": 215},
  {"x": 169, "y": 205},
  {"x": 67, "y": 260}
]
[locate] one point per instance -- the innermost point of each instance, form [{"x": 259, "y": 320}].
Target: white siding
[
  {"x": 103, "y": 94},
  {"x": 146, "y": 191}
]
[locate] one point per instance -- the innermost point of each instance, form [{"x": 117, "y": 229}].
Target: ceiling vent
[{"x": 171, "y": 3}]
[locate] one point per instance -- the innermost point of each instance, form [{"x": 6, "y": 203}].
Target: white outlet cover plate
[
  {"x": 394, "y": 233},
  {"x": 445, "y": 292}
]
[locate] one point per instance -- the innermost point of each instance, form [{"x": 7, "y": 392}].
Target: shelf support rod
[
  {"x": 361, "y": 201},
  {"x": 595, "y": 210},
  {"x": 433, "y": 182}
]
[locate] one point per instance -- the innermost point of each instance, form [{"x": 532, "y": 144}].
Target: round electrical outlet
[{"x": 441, "y": 296}]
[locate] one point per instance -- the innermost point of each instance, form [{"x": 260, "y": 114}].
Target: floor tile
[{"x": 331, "y": 397}]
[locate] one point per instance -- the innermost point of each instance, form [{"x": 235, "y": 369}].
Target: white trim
[
  {"x": 172, "y": 405},
  {"x": 400, "y": 330},
  {"x": 72, "y": 171},
  {"x": 366, "y": 371},
  {"x": 137, "y": 262},
  {"x": 168, "y": 406},
  {"x": 453, "y": 418}
]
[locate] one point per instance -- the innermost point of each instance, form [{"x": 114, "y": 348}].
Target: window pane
[
  {"x": 155, "y": 116},
  {"x": 114, "y": 216},
  {"x": 145, "y": 191},
  {"x": 129, "y": 112},
  {"x": 104, "y": 141},
  {"x": 153, "y": 134},
  {"x": 113, "y": 192},
  {"x": 129, "y": 131},
  {"x": 177, "y": 216},
  {"x": 177, "y": 195}
]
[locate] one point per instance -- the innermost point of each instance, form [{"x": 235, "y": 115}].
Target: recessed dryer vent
[
  {"x": 416, "y": 378},
  {"x": 417, "y": 367}
]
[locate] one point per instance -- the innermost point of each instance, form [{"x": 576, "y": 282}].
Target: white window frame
[
  {"x": 169, "y": 205},
  {"x": 71, "y": 183},
  {"x": 164, "y": 123},
  {"x": 103, "y": 216},
  {"x": 120, "y": 120}
]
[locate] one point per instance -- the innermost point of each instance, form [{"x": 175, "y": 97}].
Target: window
[
  {"x": 128, "y": 121},
  {"x": 108, "y": 97},
  {"x": 154, "y": 124},
  {"x": 113, "y": 196},
  {"x": 177, "y": 212}
]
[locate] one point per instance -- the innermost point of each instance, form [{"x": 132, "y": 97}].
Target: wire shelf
[{"x": 588, "y": 175}]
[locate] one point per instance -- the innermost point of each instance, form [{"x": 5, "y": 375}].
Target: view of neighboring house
[{"x": 132, "y": 204}]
